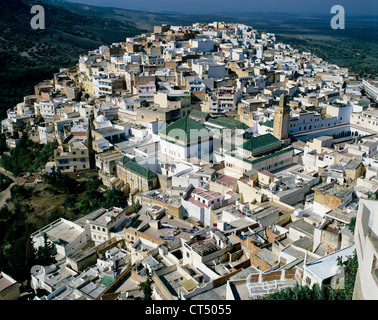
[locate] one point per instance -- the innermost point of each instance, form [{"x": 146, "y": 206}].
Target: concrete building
[
  {"x": 72, "y": 158},
  {"x": 106, "y": 162},
  {"x": 66, "y": 236},
  {"x": 187, "y": 139},
  {"x": 371, "y": 87},
  {"x": 262, "y": 152},
  {"x": 365, "y": 236},
  {"x": 367, "y": 119},
  {"x": 323, "y": 271},
  {"x": 198, "y": 203},
  {"x": 105, "y": 222},
  {"x": 136, "y": 176}
]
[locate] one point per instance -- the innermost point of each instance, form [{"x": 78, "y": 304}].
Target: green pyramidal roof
[
  {"x": 185, "y": 129},
  {"x": 261, "y": 142},
  {"x": 229, "y": 123},
  {"x": 136, "y": 168}
]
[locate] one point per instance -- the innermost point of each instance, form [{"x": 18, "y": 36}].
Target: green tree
[
  {"x": 45, "y": 254},
  {"x": 84, "y": 206},
  {"x": 350, "y": 266},
  {"x": 137, "y": 206},
  {"x": 3, "y": 144},
  {"x": 352, "y": 224},
  {"x": 146, "y": 287},
  {"x": 30, "y": 252},
  {"x": 115, "y": 198},
  {"x": 70, "y": 202}
]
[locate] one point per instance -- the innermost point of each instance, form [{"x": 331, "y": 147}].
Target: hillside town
[{"x": 248, "y": 167}]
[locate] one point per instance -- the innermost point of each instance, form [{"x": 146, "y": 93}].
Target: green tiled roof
[
  {"x": 137, "y": 168},
  {"x": 199, "y": 114},
  {"x": 273, "y": 154},
  {"x": 278, "y": 92},
  {"x": 268, "y": 124},
  {"x": 261, "y": 142},
  {"x": 185, "y": 128},
  {"x": 229, "y": 123},
  {"x": 106, "y": 281}
]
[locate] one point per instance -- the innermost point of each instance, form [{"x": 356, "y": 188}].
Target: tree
[
  {"x": 3, "y": 144},
  {"x": 352, "y": 224},
  {"x": 350, "y": 266},
  {"x": 69, "y": 202},
  {"x": 146, "y": 287},
  {"x": 137, "y": 207},
  {"x": 45, "y": 254},
  {"x": 84, "y": 206},
  {"x": 31, "y": 253},
  {"x": 115, "y": 198}
]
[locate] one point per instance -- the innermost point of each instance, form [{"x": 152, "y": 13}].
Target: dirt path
[
  {"x": 6, "y": 194},
  {"x": 8, "y": 174}
]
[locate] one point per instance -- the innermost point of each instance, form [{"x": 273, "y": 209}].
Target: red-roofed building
[{"x": 198, "y": 203}]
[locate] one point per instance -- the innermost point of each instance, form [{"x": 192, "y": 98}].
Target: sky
[{"x": 351, "y": 7}]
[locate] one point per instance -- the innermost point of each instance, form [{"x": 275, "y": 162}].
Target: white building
[
  {"x": 209, "y": 68},
  {"x": 366, "y": 240},
  {"x": 66, "y": 236},
  {"x": 321, "y": 271},
  {"x": 202, "y": 44},
  {"x": 367, "y": 119},
  {"x": 371, "y": 87},
  {"x": 104, "y": 222},
  {"x": 198, "y": 203}
]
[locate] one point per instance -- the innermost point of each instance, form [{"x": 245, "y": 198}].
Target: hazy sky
[{"x": 352, "y": 7}]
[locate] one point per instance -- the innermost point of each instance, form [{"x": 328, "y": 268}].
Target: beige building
[
  {"x": 72, "y": 158},
  {"x": 106, "y": 162},
  {"x": 174, "y": 99},
  {"x": 103, "y": 223},
  {"x": 262, "y": 152},
  {"x": 138, "y": 177}
]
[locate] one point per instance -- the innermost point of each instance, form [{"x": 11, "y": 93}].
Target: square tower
[{"x": 281, "y": 119}]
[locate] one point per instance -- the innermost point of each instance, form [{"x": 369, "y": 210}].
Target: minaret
[
  {"x": 281, "y": 119},
  {"x": 89, "y": 140}
]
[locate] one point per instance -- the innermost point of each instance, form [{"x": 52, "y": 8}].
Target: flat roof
[
  {"x": 61, "y": 230},
  {"x": 206, "y": 194},
  {"x": 326, "y": 267}
]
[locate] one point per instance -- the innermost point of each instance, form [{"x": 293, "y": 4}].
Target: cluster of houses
[{"x": 249, "y": 159}]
